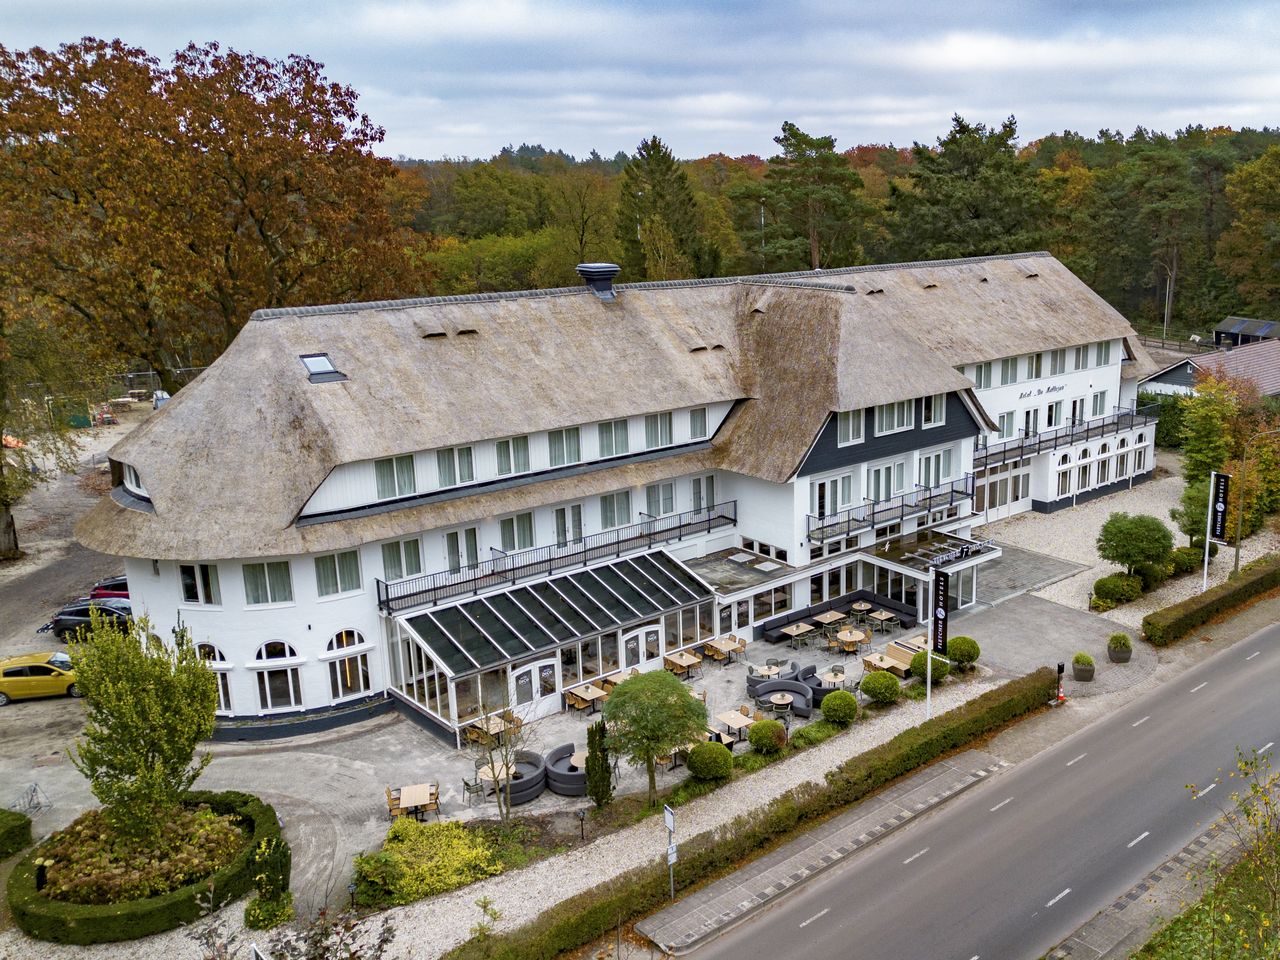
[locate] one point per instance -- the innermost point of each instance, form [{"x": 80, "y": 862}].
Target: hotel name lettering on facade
[{"x": 1041, "y": 391}]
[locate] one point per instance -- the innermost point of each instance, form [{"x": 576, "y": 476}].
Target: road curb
[{"x": 727, "y": 920}]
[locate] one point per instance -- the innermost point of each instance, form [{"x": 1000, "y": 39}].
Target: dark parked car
[
  {"x": 75, "y": 615},
  {"x": 111, "y": 587}
]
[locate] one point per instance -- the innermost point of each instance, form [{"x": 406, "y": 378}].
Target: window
[
  {"x": 200, "y": 583},
  {"x": 517, "y": 532},
  {"x": 1034, "y": 369},
  {"x": 935, "y": 468},
  {"x": 849, "y": 427},
  {"x": 1009, "y": 370},
  {"x": 1139, "y": 460},
  {"x": 1053, "y": 415},
  {"x": 513, "y": 456},
  {"x": 934, "y": 410},
  {"x": 698, "y": 423},
  {"x": 565, "y": 446},
  {"x": 982, "y": 375},
  {"x": 1083, "y": 482},
  {"x": 348, "y": 674},
  {"x": 613, "y": 438},
  {"x": 461, "y": 549},
  {"x": 892, "y": 417},
  {"x": 1100, "y": 403},
  {"x": 401, "y": 558},
  {"x": 216, "y": 662},
  {"x": 704, "y": 492},
  {"x": 1104, "y": 469},
  {"x": 1057, "y": 362},
  {"x": 133, "y": 482},
  {"x": 660, "y": 499},
  {"x": 1064, "y": 483},
  {"x": 568, "y": 525},
  {"x": 615, "y": 509},
  {"x": 278, "y": 688},
  {"x": 454, "y": 466},
  {"x": 1081, "y": 357},
  {"x": 337, "y": 573},
  {"x": 1102, "y": 353},
  {"x": 657, "y": 430},
  {"x": 267, "y": 583},
  {"x": 886, "y": 480},
  {"x": 1006, "y": 425},
  {"x": 394, "y": 476},
  {"x": 318, "y": 363}
]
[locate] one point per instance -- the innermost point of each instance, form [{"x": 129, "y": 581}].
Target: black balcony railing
[
  {"x": 510, "y": 568},
  {"x": 1077, "y": 431},
  {"x": 878, "y": 513}
]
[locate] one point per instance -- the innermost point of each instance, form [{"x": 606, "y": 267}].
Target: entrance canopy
[{"x": 487, "y": 632}]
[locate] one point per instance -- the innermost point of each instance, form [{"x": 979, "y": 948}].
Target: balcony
[
  {"x": 510, "y": 568},
  {"x": 846, "y": 523},
  {"x": 1077, "y": 431}
]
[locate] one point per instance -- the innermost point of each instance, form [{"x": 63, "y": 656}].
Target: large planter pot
[
  {"x": 1119, "y": 656},
  {"x": 1082, "y": 673}
]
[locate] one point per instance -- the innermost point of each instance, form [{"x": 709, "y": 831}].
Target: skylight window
[{"x": 320, "y": 368}]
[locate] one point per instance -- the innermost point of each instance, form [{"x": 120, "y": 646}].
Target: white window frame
[
  {"x": 610, "y": 515},
  {"x": 1057, "y": 362},
  {"x": 341, "y": 580},
  {"x": 902, "y": 413},
  {"x": 657, "y": 427},
  {"x": 1008, "y": 371},
  {"x": 568, "y": 524},
  {"x": 609, "y": 432},
  {"x": 1053, "y": 415},
  {"x": 517, "y": 532},
  {"x": 703, "y": 492},
  {"x": 512, "y": 455},
  {"x": 564, "y": 447},
  {"x": 1102, "y": 353},
  {"x": 336, "y": 657},
  {"x": 205, "y": 579},
  {"x": 849, "y": 427},
  {"x": 221, "y": 669},
  {"x": 461, "y": 548},
  {"x": 457, "y": 465},
  {"x": 403, "y": 477},
  {"x": 897, "y": 479},
  {"x": 132, "y": 481},
  {"x": 982, "y": 376},
  {"x": 1007, "y": 424},
  {"x": 1035, "y": 366},
  {"x": 660, "y": 499},
  {"x": 289, "y": 664},
  {"x": 1081, "y": 358},
  {"x": 938, "y": 464},
  {"x": 698, "y": 423},
  {"x": 272, "y": 600},
  {"x": 402, "y": 553},
  {"x": 1099, "y": 403},
  {"x": 936, "y": 417}
]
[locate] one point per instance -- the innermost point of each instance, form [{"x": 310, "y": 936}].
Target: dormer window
[
  {"x": 320, "y": 368},
  {"x": 849, "y": 427},
  {"x": 133, "y": 483}
]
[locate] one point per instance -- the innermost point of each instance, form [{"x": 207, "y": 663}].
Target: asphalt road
[{"x": 1015, "y": 865}]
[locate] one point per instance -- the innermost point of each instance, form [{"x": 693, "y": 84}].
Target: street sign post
[{"x": 1215, "y": 521}]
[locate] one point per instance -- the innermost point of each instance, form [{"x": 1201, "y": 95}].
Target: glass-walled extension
[{"x": 521, "y": 648}]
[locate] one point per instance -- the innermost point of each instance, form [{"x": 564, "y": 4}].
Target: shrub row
[
  {"x": 590, "y": 915},
  {"x": 15, "y": 832},
  {"x": 1162, "y": 627},
  {"x": 61, "y": 922}
]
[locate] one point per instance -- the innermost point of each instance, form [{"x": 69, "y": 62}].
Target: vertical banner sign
[
  {"x": 941, "y": 583},
  {"x": 1218, "y": 520}
]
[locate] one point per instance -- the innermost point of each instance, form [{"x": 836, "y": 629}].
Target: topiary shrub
[
  {"x": 840, "y": 707},
  {"x": 1153, "y": 574},
  {"x": 15, "y": 832},
  {"x": 941, "y": 666},
  {"x": 1118, "y": 588},
  {"x": 964, "y": 651},
  {"x": 1186, "y": 559},
  {"x": 881, "y": 687},
  {"x": 1119, "y": 641},
  {"x": 767, "y": 736},
  {"x": 711, "y": 761}
]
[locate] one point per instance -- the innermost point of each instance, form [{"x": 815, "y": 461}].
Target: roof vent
[
  {"x": 466, "y": 332},
  {"x": 931, "y": 286},
  {"x": 983, "y": 280},
  {"x": 599, "y": 277}
]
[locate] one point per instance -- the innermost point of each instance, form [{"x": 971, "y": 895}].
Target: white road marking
[
  {"x": 1001, "y": 804},
  {"x": 1142, "y": 721},
  {"x": 1077, "y": 759},
  {"x": 918, "y": 853},
  {"x": 1137, "y": 840},
  {"x": 1206, "y": 789},
  {"x": 1058, "y": 897},
  {"x": 1267, "y": 747},
  {"x": 1252, "y": 655},
  {"x": 825, "y": 910},
  {"x": 975, "y": 957},
  {"x": 1199, "y": 686}
]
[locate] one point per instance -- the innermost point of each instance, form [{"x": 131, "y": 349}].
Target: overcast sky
[{"x": 465, "y": 77}]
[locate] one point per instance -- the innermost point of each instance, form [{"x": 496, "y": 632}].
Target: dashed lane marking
[
  {"x": 1001, "y": 804},
  {"x": 820, "y": 913},
  {"x": 1252, "y": 655},
  {"x": 1142, "y": 721},
  {"x": 1077, "y": 759},
  {"x": 1058, "y": 897},
  {"x": 1199, "y": 686},
  {"x": 1138, "y": 839},
  {"x": 917, "y": 854},
  {"x": 1206, "y": 789},
  {"x": 1267, "y": 747}
]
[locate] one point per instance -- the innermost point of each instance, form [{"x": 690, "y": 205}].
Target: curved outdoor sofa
[
  {"x": 753, "y": 682},
  {"x": 801, "y": 694},
  {"x": 819, "y": 690},
  {"x": 530, "y": 779},
  {"x": 562, "y": 778}
]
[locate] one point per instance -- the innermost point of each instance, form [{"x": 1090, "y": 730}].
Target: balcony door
[
  {"x": 885, "y": 482},
  {"x": 826, "y": 495},
  {"x": 1077, "y": 409}
]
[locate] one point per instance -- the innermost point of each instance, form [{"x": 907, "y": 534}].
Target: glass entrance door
[{"x": 534, "y": 693}]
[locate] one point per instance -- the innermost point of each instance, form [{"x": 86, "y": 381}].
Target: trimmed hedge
[
  {"x": 61, "y": 922},
  {"x": 1118, "y": 588},
  {"x": 1162, "y": 627},
  {"x": 15, "y": 832},
  {"x": 840, "y": 707},
  {"x": 881, "y": 687},
  {"x": 767, "y": 736},
  {"x": 590, "y": 915}
]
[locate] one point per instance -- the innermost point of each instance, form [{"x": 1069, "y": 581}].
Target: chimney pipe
[{"x": 599, "y": 277}]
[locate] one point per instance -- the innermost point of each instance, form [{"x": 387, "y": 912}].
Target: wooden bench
[{"x": 896, "y": 659}]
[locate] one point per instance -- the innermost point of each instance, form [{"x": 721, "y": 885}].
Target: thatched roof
[{"x": 231, "y": 460}]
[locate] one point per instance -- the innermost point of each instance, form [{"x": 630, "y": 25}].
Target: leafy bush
[
  {"x": 1186, "y": 559},
  {"x": 1118, "y": 588},
  {"x": 1153, "y": 574},
  {"x": 881, "y": 687},
  {"x": 711, "y": 761},
  {"x": 1130, "y": 540},
  {"x": 420, "y": 860},
  {"x": 61, "y": 922},
  {"x": 263, "y": 914},
  {"x": 15, "y": 832},
  {"x": 1169, "y": 426},
  {"x": 1082, "y": 659},
  {"x": 589, "y": 915},
  {"x": 815, "y": 733},
  {"x": 1162, "y": 627},
  {"x": 1119, "y": 641},
  {"x": 1197, "y": 544},
  {"x": 963, "y": 650},
  {"x": 767, "y": 736},
  {"x": 840, "y": 707},
  {"x": 941, "y": 666},
  {"x": 1098, "y": 605}
]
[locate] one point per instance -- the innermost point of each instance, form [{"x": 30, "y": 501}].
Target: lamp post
[{"x": 1244, "y": 471}]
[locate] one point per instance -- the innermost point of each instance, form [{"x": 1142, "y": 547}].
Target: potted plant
[
  {"x": 1082, "y": 666},
  {"x": 1119, "y": 648}
]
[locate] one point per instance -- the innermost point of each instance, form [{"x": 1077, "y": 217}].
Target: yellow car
[{"x": 37, "y": 675}]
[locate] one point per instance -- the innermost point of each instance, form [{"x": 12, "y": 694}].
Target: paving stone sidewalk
[{"x": 715, "y": 908}]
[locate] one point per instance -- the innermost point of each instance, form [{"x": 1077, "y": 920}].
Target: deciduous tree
[
  {"x": 649, "y": 716},
  {"x": 1249, "y": 250},
  {"x": 1130, "y": 540}
]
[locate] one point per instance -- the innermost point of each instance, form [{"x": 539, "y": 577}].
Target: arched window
[
  {"x": 1142, "y": 438},
  {"x": 1084, "y": 454},
  {"x": 1124, "y": 442},
  {"x": 279, "y": 685},
  {"x": 1064, "y": 460},
  {"x": 221, "y": 669},
  {"x": 1104, "y": 449},
  {"x": 348, "y": 665}
]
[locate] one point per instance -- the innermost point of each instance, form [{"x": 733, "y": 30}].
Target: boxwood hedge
[
  {"x": 590, "y": 915},
  {"x": 1162, "y": 627},
  {"x": 60, "y": 922},
  {"x": 15, "y": 832}
]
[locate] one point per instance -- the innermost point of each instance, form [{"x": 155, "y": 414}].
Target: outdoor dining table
[
  {"x": 491, "y": 772},
  {"x": 829, "y": 617},
  {"x": 579, "y": 760},
  {"x": 834, "y": 679},
  {"x": 726, "y": 645},
  {"x": 781, "y": 699},
  {"x": 494, "y": 725},
  {"x": 418, "y": 795},
  {"x": 883, "y": 617},
  {"x": 796, "y": 631},
  {"x": 683, "y": 661},
  {"x": 589, "y": 692},
  {"x": 850, "y": 639},
  {"x": 861, "y": 608},
  {"x": 769, "y": 671},
  {"x": 736, "y": 721}
]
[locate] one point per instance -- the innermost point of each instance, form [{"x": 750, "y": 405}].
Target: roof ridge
[{"x": 773, "y": 279}]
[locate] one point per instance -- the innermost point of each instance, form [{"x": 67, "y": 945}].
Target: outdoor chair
[
  {"x": 773, "y": 662},
  {"x": 744, "y": 710},
  {"x": 481, "y": 763},
  {"x": 393, "y": 805},
  {"x": 472, "y": 788}
]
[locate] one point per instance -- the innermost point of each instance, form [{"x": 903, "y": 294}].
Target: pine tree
[
  {"x": 654, "y": 186},
  {"x": 599, "y": 773}
]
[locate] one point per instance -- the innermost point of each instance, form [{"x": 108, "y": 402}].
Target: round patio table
[
  {"x": 781, "y": 699},
  {"x": 768, "y": 671},
  {"x": 579, "y": 760},
  {"x": 834, "y": 679}
]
